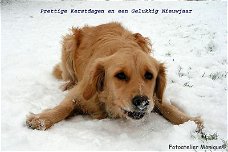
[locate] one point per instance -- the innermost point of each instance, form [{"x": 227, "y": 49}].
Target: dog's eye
[
  {"x": 121, "y": 76},
  {"x": 148, "y": 75}
]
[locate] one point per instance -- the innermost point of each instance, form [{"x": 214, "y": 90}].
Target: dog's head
[{"x": 126, "y": 82}]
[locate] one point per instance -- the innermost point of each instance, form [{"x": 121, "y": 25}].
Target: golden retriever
[{"x": 109, "y": 73}]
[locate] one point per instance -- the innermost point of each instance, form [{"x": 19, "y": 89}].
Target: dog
[{"x": 109, "y": 72}]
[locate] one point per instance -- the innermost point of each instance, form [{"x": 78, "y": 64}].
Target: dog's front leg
[
  {"x": 175, "y": 116},
  {"x": 49, "y": 117}
]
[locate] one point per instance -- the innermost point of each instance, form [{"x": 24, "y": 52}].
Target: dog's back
[{"x": 84, "y": 45}]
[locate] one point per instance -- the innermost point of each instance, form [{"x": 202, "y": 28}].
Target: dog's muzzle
[
  {"x": 140, "y": 104},
  {"x": 134, "y": 114}
]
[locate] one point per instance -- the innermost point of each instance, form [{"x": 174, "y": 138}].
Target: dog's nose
[{"x": 140, "y": 102}]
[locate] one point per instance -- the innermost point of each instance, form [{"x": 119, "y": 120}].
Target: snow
[{"x": 193, "y": 47}]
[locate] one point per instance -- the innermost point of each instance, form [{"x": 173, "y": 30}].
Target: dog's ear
[
  {"x": 143, "y": 42},
  {"x": 160, "y": 82},
  {"x": 95, "y": 81}
]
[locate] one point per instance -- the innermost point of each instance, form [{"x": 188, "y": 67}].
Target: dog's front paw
[
  {"x": 36, "y": 121},
  {"x": 199, "y": 122}
]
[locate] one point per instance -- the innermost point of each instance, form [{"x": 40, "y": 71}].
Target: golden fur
[{"x": 93, "y": 59}]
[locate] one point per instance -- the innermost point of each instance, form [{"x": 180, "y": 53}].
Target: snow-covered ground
[{"x": 193, "y": 47}]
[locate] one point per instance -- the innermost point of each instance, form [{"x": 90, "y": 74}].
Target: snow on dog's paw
[
  {"x": 35, "y": 121},
  {"x": 199, "y": 122}
]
